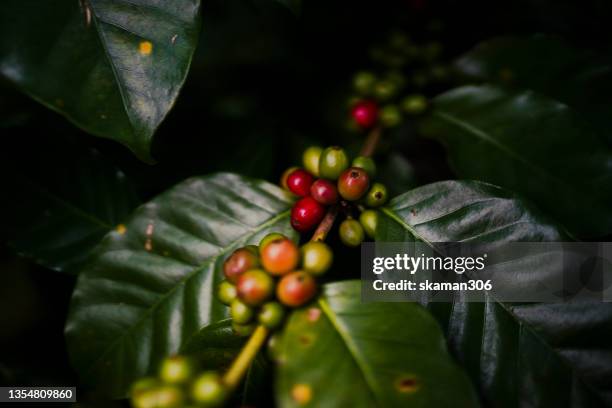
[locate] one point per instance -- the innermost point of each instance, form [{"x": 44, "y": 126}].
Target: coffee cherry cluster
[
  {"x": 261, "y": 281},
  {"x": 178, "y": 383},
  {"x": 329, "y": 178}
]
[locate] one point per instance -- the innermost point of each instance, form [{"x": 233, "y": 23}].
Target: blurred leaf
[
  {"x": 150, "y": 289},
  {"x": 548, "y": 65},
  {"x": 114, "y": 68},
  {"x": 397, "y": 173},
  {"x": 294, "y": 5},
  {"x": 532, "y": 145},
  {"x": 57, "y": 211},
  {"x": 520, "y": 355},
  {"x": 341, "y": 352}
]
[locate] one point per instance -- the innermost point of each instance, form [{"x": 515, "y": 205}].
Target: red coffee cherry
[
  {"x": 296, "y": 289},
  {"x": 324, "y": 191},
  {"x": 353, "y": 183},
  {"x": 280, "y": 256},
  {"x": 365, "y": 114},
  {"x": 306, "y": 214},
  {"x": 299, "y": 182},
  {"x": 254, "y": 287},
  {"x": 239, "y": 262}
]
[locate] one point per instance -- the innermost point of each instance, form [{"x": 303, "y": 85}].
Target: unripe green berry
[
  {"x": 414, "y": 104},
  {"x": 273, "y": 236},
  {"x": 333, "y": 162},
  {"x": 241, "y": 312},
  {"x": 390, "y": 116},
  {"x": 144, "y": 399},
  {"x": 226, "y": 292},
  {"x": 310, "y": 159},
  {"x": 365, "y": 163},
  {"x": 317, "y": 257},
  {"x": 143, "y": 384},
  {"x": 363, "y": 82},
  {"x": 384, "y": 90},
  {"x": 244, "y": 330},
  {"x": 271, "y": 315},
  {"x": 169, "y": 397},
  {"x": 351, "y": 232},
  {"x": 377, "y": 195},
  {"x": 369, "y": 222},
  {"x": 208, "y": 390},
  {"x": 176, "y": 370}
]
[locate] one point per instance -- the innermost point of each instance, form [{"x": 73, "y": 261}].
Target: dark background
[{"x": 264, "y": 84}]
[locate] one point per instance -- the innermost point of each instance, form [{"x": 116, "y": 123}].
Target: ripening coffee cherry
[
  {"x": 296, "y": 289},
  {"x": 333, "y": 162},
  {"x": 390, "y": 116},
  {"x": 414, "y": 104},
  {"x": 317, "y": 257},
  {"x": 271, "y": 315},
  {"x": 363, "y": 82},
  {"x": 353, "y": 183},
  {"x": 369, "y": 221},
  {"x": 169, "y": 396},
  {"x": 310, "y": 159},
  {"x": 365, "y": 114},
  {"x": 208, "y": 390},
  {"x": 241, "y": 312},
  {"x": 226, "y": 292},
  {"x": 239, "y": 262},
  {"x": 280, "y": 256},
  {"x": 273, "y": 236},
  {"x": 384, "y": 90},
  {"x": 365, "y": 163},
  {"x": 324, "y": 192},
  {"x": 143, "y": 384},
  {"x": 299, "y": 182},
  {"x": 306, "y": 214},
  {"x": 377, "y": 195},
  {"x": 176, "y": 370},
  {"x": 286, "y": 173},
  {"x": 255, "y": 286},
  {"x": 244, "y": 330},
  {"x": 351, "y": 232}
]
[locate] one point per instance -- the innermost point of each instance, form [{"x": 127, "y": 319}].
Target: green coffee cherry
[
  {"x": 317, "y": 257},
  {"x": 369, "y": 222},
  {"x": 390, "y": 116},
  {"x": 333, "y": 162},
  {"x": 273, "y": 236},
  {"x": 363, "y": 82},
  {"x": 365, "y": 163},
  {"x": 176, "y": 370},
  {"x": 351, "y": 232},
  {"x": 310, "y": 159},
  {"x": 271, "y": 315},
  {"x": 208, "y": 390},
  {"x": 244, "y": 330},
  {"x": 385, "y": 89},
  {"x": 226, "y": 292},
  {"x": 414, "y": 104},
  {"x": 377, "y": 195},
  {"x": 241, "y": 313}
]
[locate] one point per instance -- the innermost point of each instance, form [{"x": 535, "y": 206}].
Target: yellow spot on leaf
[
  {"x": 121, "y": 229},
  {"x": 407, "y": 384},
  {"x": 145, "y": 47},
  {"x": 301, "y": 393}
]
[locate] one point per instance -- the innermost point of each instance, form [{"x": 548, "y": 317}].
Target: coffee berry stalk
[{"x": 329, "y": 179}]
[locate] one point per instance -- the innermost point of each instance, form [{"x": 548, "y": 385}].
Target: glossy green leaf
[
  {"x": 151, "y": 288},
  {"x": 532, "y": 145},
  {"x": 114, "y": 68},
  {"x": 519, "y": 355},
  {"x": 341, "y": 352},
  {"x": 57, "y": 214},
  {"x": 546, "y": 64}
]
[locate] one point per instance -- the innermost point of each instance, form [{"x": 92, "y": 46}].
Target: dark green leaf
[
  {"x": 520, "y": 355},
  {"x": 342, "y": 352},
  {"x": 150, "y": 289},
  {"x": 114, "y": 68},
  {"x": 548, "y": 65},
  {"x": 58, "y": 211},
  {"x": 532, "y": 145}
]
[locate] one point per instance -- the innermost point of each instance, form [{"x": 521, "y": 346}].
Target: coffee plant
[{"x": 187, "y": 186}]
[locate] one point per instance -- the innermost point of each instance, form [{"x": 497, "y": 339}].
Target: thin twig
[
  {"x": 371, "y": 142},
  {"x": 241, "y": 364},
  {"x": 326, "y": 224}
]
